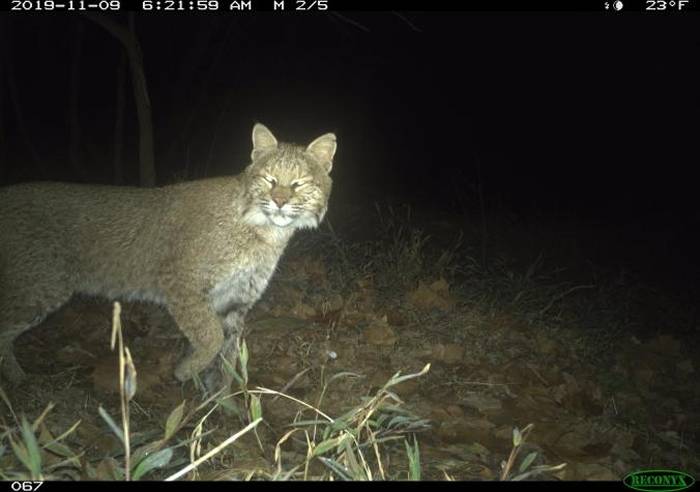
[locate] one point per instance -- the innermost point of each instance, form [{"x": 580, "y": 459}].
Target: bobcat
[{"x": 205, "y": 249}]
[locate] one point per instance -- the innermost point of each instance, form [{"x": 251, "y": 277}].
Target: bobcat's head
[{"x": 288, "y": 185}]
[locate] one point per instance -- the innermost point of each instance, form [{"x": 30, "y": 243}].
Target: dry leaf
[
  {"x": 380, "y": 333},
  {"x": 449, "y": 353}
]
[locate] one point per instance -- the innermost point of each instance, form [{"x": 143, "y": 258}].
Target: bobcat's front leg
[
  {"x": 219, "y": 375},
  {"x": 202, "y": 327},
  {"x": 234, "y": 325}
]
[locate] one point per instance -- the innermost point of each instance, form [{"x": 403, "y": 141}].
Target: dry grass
[{"x": 378, "y": 438}]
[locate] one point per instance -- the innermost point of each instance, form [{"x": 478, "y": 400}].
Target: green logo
[{"x": 658, "y": 480}]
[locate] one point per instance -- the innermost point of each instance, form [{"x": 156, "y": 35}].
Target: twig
[
  {"x": 562, "y": 295},
  {"x": 350, "y": 21},
  {"x": 408, "y": 22},
  {"x": 214, "y": 451}
]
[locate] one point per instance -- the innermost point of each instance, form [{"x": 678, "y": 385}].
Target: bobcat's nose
[{"x": 280, "y": 195}]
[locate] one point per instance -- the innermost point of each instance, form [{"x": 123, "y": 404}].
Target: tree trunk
[
  {"x": 127, "y": 37},
  {"x": 119, "y": 120},
  {"x": 75, "y": 138},
  {"x": 13, "y": 93}
]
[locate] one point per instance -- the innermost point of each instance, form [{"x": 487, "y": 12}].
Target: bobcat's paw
[
  {"x": 216, "y": 378},
  {"x": 184, "y": 370},
  {"x": 11, "y": 371}
]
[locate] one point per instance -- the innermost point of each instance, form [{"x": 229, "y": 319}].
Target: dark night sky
[{"x": 581, "y": 115}]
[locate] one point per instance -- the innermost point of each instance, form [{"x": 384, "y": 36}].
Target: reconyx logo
[{"x": 658, "y": 480}]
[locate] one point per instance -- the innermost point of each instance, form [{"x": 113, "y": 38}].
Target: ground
[{"x": 600, "y": 364}]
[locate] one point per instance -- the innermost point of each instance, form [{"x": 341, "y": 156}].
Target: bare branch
[{"x": 407, "y": 21}]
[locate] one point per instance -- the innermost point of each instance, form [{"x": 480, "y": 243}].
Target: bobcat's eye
[
  {"x": 270, "y": 179},
  {"x": 296, "y": 184}
]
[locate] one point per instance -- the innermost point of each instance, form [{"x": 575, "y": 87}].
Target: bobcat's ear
[
  {"x": 263, "y": 140},
  {"x": 323, "y": 149}
]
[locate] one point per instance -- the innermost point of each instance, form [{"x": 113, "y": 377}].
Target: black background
[{"x": 588, "y": 118}]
